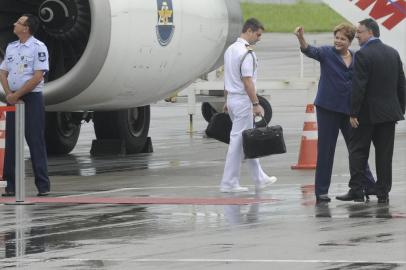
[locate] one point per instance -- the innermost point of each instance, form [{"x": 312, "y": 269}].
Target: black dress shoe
[
  {"x": 43, "y": 193},
  {"x": 8, "y": 194},
  {"x": 323, "y": 198},
  {"x": 369, "y": 192},
  {"x": 383, "y": 199},
  {"x": 352, "y": 196}
]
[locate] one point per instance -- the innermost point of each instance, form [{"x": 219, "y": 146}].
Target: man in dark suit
[{"x": 377, "y": 103}]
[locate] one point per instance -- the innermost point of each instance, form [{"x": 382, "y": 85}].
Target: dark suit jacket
[{"x": 378, "y": 85}]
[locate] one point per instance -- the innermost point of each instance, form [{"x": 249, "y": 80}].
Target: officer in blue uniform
[{"x": 22, "y": 78}]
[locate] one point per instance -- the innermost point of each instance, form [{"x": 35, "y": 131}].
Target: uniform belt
[{"x": 239, "y": 94}]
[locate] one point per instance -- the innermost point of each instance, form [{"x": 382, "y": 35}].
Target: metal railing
[{"x": 19, "y": 110}]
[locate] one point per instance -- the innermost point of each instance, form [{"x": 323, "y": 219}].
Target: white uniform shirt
[
  {"x": 22, "y": 60},
  {"x": 232, "y": 63}
]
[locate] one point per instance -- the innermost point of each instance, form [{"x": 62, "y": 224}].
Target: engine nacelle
[{"x": 115, "y": 54}]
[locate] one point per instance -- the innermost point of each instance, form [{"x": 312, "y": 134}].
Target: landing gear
[
  {"x": 128, "y": 126},
  {"x": 267, "y": 111},
  {"x": 62, "y": 131},
  {"x": 208, "y": 109}
]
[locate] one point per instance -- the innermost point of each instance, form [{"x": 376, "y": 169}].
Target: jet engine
[{"x": 110, "y": 59}]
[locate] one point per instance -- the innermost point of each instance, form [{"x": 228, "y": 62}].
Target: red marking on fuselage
[{"x": 383, "y": 8}]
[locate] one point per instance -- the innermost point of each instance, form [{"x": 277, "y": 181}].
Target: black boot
[{"x": 369, "y": 191}]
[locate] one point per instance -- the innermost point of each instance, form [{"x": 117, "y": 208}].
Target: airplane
[
  {"x": 110, "y": 59},
  {"x": 390, "y": 14}
]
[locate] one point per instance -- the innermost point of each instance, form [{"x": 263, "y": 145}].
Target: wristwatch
[{"x": 255, "y": 104}]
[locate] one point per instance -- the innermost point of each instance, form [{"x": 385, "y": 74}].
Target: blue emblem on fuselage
[{"x": 165, "y": 27}]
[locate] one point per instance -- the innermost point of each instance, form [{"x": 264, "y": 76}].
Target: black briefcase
[
  {"x": 219, "y": 127},
  {"x": 263, "y": 141}
]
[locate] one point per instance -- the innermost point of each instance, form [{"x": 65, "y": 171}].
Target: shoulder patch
[{"x": 42, "y": 56}]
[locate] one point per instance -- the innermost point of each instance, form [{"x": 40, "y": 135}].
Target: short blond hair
[{"x": 347, "y": 29}]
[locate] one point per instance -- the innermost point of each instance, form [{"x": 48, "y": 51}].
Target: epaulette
[
  {"x": 14, "y": 44},
  {"x": 250, "y": 51},
  {"x": 249, "y": 47},
  {"x": 38, "y": 42}
]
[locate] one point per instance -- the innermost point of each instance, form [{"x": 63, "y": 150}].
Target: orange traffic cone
[
  {"x": 2, "y": 141},
  {"x": 308, "y": 145}
]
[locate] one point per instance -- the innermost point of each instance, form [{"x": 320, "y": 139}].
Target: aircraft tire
[
  {"x": 62, "y": 131},
  {"x": 208, "y": 110},
  {"x": 267, "y": 110},
  {"x": 131, "y": 126}
]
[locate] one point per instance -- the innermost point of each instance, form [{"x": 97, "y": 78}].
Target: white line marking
[
  {"x": 216, "y": 187},
  {"x": 207, "y": 261}
]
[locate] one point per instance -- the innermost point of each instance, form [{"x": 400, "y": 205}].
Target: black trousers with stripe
[{"x": 34, "y": 135}]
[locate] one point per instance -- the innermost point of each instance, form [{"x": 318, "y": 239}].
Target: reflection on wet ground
[
  {"x": 282, "y": 229},
  {"x": 112, "y": 236},
  {"x": 82, "y": 164},
  {"x": 286, "y": 230}
]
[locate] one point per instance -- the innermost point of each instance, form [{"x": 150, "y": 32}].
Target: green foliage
[{"x": 285, "y": 18}]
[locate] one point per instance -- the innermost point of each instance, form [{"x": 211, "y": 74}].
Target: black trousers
[
  {"x": 329, "y": 124},
  {"x": 34, "y": 135},
  {"x": 383, "y": 137}
]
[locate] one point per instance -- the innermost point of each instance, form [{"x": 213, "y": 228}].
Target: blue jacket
[{"x": 334, "y": 91}]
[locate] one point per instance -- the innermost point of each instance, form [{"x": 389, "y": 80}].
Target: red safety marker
[{"x": 3, "y": 110}]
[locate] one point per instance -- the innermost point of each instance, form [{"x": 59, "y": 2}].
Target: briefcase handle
[{"x": 262, "y": 118}]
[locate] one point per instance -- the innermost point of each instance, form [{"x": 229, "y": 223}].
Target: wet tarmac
[{"x": 164, "y": 210}]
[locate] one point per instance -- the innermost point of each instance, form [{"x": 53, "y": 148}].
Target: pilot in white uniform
[
  {"x": 22, "y": 77},
  {"x": 240, "y": 67}
]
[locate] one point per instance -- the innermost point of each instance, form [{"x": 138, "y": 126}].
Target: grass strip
[{"x": 284, "y": 18}]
